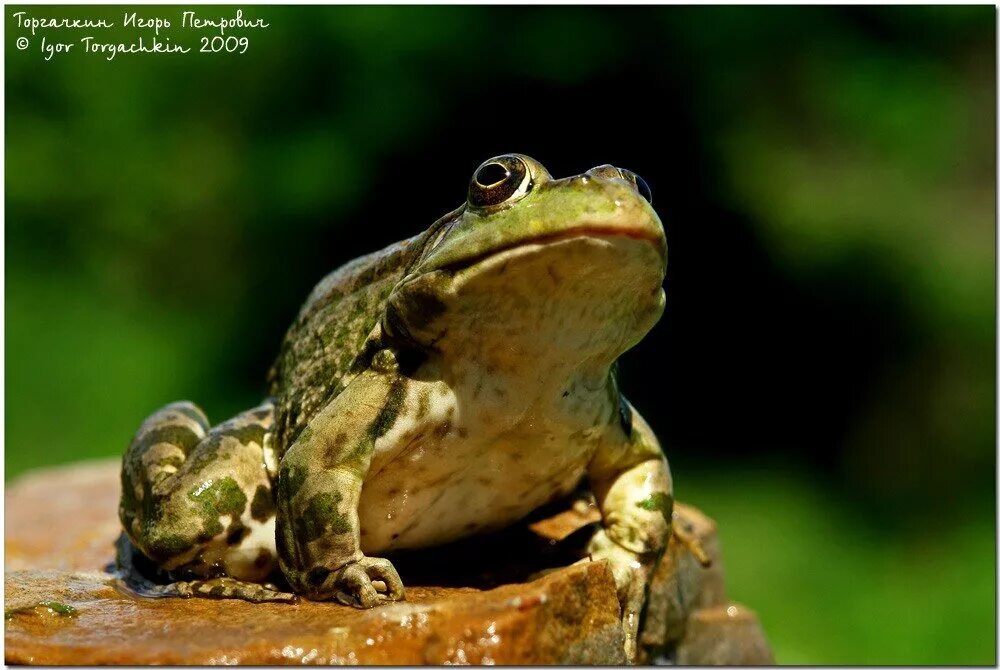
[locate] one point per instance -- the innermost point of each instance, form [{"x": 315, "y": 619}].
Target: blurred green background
[{"x": 823, "y": 379}]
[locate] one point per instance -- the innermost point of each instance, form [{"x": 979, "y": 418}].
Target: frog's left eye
[{"x": 499, "y": 180}]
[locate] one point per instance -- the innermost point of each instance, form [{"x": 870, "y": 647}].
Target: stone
[
  {"x": 62, "y": 518},
  {"x": 681, "y": 584},
  {"x": 567, "y": 617},
  {"x": 512, "y": 597},
  {"x": 688, "y": 618},
  {"x": 724, "y": 635}
]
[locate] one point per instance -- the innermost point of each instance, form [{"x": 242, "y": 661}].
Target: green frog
[{"x": 445, "y": 386}]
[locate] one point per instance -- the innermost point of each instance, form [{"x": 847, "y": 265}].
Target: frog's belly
[{"x": 434, "y": 492}]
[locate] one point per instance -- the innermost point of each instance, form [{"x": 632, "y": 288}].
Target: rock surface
[
  {"x": 724, "y": 635},
  {"x": 478, "y": 601}
]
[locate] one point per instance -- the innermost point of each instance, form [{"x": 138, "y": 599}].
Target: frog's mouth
[{"x": 577, "y": 232}]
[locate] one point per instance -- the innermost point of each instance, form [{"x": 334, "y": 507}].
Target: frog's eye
[
  {"x": 640, "y": 184},
  {"x": 499, "y": 180}
]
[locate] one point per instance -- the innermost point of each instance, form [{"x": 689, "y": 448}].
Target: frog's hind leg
[
  {"x": 132, "y": 578},
  {"x": 198, "y": 502}
]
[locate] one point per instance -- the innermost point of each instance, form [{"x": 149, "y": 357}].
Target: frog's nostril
[{"x": 606, "y": 171}]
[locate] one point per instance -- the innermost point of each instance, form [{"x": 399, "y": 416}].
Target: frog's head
[{"x": 533, "y": 266}]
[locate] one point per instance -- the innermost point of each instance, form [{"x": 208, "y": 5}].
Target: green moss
[{"x": 57, "y": 608}]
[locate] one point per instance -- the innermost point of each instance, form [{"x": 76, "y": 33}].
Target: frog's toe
[
  {"x": 382, "y": 570},
  {"x": 355, "y": 588},
  {"x": 358, "y": 583}
]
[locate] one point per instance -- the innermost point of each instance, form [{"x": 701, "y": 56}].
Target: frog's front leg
[
  {"x": 631, "y": 482},
  {"x": 319, "y": 486}
]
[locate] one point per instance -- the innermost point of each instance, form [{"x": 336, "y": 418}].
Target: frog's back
[{"x": 321, "y": 346}]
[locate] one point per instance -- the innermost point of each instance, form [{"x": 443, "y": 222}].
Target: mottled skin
[{"x": 445, "y": 386}]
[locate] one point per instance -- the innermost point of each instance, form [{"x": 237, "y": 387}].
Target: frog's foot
[
  {"x": 219, "y": 588},
  {"x": 227, "y": 587},
  {"x": 684, "y": 533},
  {"x": 131, "y": 578},
  {"x": 366, "y": 583},
  {"x": 631, "y": 572}
]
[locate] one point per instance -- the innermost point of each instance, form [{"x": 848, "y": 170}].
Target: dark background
[{"x": 823, "y": 379}]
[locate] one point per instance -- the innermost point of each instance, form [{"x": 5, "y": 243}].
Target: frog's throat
[{"x": 594, "y": 231}]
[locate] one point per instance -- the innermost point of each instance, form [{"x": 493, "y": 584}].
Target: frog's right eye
[{"x": 498, "y": 180}]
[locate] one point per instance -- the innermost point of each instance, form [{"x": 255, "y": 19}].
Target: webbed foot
[
  {"x": 226, "y": 587},
  {"x": 631, "y": 572},
  {"x": 367, "y": 582}
]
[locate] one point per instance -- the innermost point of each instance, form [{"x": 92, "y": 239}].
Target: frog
[{"x": 443, "y": 387}]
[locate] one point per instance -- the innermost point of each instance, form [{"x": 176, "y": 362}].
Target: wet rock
[
  {"x": 682, "y": 585},
  {"x": 566, "y": 617},
  {"x": 724, "y": 635},
  {"x": 688, "y": 619},
  {"x": 62, "y": 518},
  {"x": 477, "y": 601}
]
